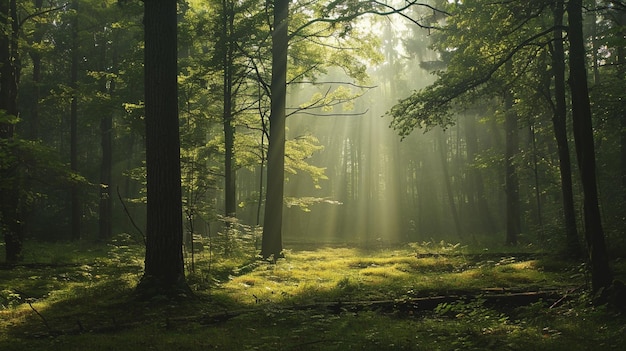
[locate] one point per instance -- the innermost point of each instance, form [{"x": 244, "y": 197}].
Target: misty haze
[{"x": 312, "y": 175}]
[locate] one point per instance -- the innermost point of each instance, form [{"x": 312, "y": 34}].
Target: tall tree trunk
[
  {"x": 164, "y": 267},
  {"x": 533, "y": 139},
  {"x": 513, "y": 226},
  {"x": 560, "y": 132},
  {"x": 106, "y": 205},
  {"x": 35, "y": 57},
  {"x": 106, "y": 142},
  {"x": 74, "y": 191},
  {"x": 601, "y": 275},
  {"x": 272, "y": 242},
  {"x": 10, "y": 220},
  {"x": 620, "y": 112},
  {"x": 230, "y": 191}
]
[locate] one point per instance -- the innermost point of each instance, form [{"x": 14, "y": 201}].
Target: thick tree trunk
[
  {"x": 601, "y": 276},
  {"x": 620, "y": 113},
  {"x": 513, "y": 226},
  {"x": 560, "y": 132},
  {"x": 164, "y": 270},
  {"x": 621, "y": 71},
  {"x": 272, "y": 245},
  {"x": 10, "y": 221}
]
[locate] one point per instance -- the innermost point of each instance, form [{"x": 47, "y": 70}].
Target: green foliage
[
  {"x": 475, "y": 43},
  {"x": 440, "y": 247},
  {"x": 34, "y": 168},
  {"x": 303, "y": 300}
]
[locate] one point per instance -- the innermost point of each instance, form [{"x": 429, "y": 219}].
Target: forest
[{"x": 312, "y": 175}]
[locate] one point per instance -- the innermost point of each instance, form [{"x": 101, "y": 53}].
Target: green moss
[{"x": 65, "y": 305}]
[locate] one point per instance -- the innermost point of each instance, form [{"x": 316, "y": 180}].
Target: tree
[
  {"x": 513, "y": 225},
  {"x": 105, "y": 215},
  {"x": 228, "y": 47},
  {"x": 559, "y": 122},
  {"x": 601, "y": 276},
  {"x": 10, "y": 221},
  {"x": 490, "y": 47},
  {"x": 335, "y": 18},
  {"x": 74, "y": 190},
  {"x": 164, "y": 268},
  {"x": 272, "y": 245}
]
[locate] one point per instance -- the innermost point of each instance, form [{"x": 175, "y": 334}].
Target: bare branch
[
  {"x": 389, "y": 10},
  {"x": 336, "y": 82},
  {"x": 41, "y": 13},
  {"x": 331, "y": 114}
]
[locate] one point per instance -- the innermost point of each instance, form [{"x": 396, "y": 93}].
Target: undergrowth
[{"x": 78, "y": 297}]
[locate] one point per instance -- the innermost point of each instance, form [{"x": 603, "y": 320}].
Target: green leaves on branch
[
  {"x": 297, "y": 151},
  {"x": 304, "y": 203},
  {"x": 476, "y": 42}
]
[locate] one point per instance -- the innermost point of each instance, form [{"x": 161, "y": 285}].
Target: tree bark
[
  {"x": 601, "y": 276},
  {"x": 620, "y": 113},
  {"x": 10, "y": 221},
  {"x": 230, "y": 190},
  {"x": 560, "y": 132},
  {"x": 35, "y": 57},
  {"x": 271, "y": 245},
  {"x": 164, "y": 270}
]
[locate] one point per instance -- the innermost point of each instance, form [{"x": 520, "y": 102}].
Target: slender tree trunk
[
  {"x": 230, "y": 202},
  {"x": 261, "y": 174},
  {"x": 105, "y": 207},
  {"x": 601, "y": 275},
  {"x": 106, "y": 134},
  {"x": 74, "y": 191},
  {"x": 35, "y": 57},
  {"x": 164, "y": 268},
  {"x": 513, "y": 226},
  {"x": 533, "y": 139},
  {"x": 272, "y": 245},
  {"x": 560, "y": 132}
]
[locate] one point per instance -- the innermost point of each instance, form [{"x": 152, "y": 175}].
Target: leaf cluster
[{"x": 475, "y": 44}]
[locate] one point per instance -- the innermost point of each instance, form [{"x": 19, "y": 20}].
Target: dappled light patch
[
  {"x": 383, "y": 272},
  {"x": 323, "y": 299}
]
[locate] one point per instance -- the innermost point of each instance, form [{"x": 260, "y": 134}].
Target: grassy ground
[{"x": 77, "y": 297}]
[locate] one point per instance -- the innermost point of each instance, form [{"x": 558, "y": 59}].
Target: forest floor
[{"x": 416, "y": 297}]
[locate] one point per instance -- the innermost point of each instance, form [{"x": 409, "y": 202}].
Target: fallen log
[{"x": 412, "y": 306}]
